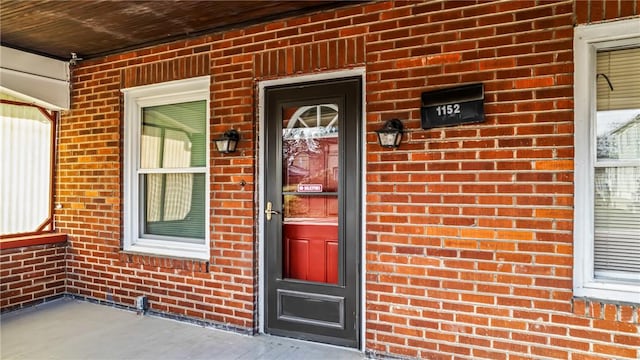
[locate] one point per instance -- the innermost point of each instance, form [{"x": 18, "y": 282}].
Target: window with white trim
[
  {"x": 166, "y": 148},
  {"x": 607, "y": 161}
]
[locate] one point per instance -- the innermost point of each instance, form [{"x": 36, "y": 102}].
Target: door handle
[{"x": 269, "y": 211}]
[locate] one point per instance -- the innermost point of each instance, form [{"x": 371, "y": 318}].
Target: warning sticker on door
[{"x": 309, "y": 187}]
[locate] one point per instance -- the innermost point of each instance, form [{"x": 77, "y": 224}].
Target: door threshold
[{"x": 316, "y": 343}]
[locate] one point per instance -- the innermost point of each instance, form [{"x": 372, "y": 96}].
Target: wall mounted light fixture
[
  {"x": 228, "y": 141},
  {"x": 390, "y": 134}
]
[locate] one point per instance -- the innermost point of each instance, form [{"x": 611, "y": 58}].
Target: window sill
[
  {"x": 32, "y": 240},
  {"x": 170, "y": 249},
  {"x": 610, "y": 290},
  {"x": 164, "y": 261}
]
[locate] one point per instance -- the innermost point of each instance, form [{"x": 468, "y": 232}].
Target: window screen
[{"x": 172, "y": 171}]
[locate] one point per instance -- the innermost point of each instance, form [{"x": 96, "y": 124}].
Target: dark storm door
[{"x": 312, "y": 210}]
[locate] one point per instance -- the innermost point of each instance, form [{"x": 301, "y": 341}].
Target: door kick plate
[{"x": 295, "y": 306}]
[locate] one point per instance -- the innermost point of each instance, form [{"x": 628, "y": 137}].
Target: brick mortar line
[
  {"x": 529, "y": 345},
  {"x": 485, "y": 184},
  {"x": 481, "y": 160},
  {"x": 478, "y": 282},
  {"x": 482, "y": 240},
  {"x": 497, "y": 317},
  {"x": 79, "y": 282},
  {"x": 531, "y": 89},
  {"x": 457, "y": 237},
  {"x": 458, "y": 41},
  {"x": 398, "y": 27},
  {"x": 463, "y": 216},
  {"x": 136, "y": 269},
  {"x": 508, "y": 102},
  {"x": 471, "y": 206}
]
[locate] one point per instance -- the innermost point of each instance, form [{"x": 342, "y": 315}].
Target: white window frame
[
  {"x": 135, "y": 99},
  {"x": 588, "y": 39}
]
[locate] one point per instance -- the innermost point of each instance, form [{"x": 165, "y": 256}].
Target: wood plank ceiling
[{"x": 94, "y": 28}]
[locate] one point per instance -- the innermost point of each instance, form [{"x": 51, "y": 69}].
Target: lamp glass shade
[
  {"x": 390, "y": 134},
  {"x": 389, "y": 139},
  {"x": 228, "y": 142},
  {"x": 226, "y": 146}
]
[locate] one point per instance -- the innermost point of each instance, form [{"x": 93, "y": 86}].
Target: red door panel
[{"x": 311, "y": 252}]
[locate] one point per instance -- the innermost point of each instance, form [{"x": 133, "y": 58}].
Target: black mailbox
[{"x": 453, "y": 106}]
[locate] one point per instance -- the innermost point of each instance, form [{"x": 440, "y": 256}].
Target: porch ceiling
[{"x": 94, "y": 28}]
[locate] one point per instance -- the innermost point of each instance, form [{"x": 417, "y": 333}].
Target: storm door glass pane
[{"x": 310, "y": 192}]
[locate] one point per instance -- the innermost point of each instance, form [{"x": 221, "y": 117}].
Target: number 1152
[{"x": 448, "y": 109}]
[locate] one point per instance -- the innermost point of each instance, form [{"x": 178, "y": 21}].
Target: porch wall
[
  {"x": 468, "y": 229},
  {"x": 32, "y": 274}
]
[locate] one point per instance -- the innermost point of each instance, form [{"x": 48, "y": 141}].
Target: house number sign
[
  {"x": 449, "y": 109},
  {"x": 453, "y": 106}
]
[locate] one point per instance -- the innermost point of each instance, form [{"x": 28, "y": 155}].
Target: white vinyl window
[
  {"x": 165, "y": 168},
  {"x": 607, "y": 161}
]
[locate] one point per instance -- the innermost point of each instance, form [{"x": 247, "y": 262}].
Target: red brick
[
  {"x": 617, "y": 351},
  {"x": 627, "y": 340}
]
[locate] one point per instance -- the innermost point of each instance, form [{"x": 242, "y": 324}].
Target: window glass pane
[
  {"x": 25, "y": 165},
  {"x": 617, "y": 79},
  {"x": 174, "y": 136},
  {"x": 618, "y": 134},
  {"x": 618, "y": 104},
  {"x": 617, "y": 176},
  {"x": 174, "y": 205},
  {"x": 617, "y": 219}
]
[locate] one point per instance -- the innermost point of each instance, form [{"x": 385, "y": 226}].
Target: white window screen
[
  {"x": 25, "y": 164},
  {"x": 617, "y": 165},
  {"x": 172, "y": 171}
]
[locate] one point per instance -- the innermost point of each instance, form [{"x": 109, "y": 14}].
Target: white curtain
[{"x": 25, "y": 168}]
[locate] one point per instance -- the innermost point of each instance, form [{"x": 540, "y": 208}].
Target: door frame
[{"x": 329, "y": 75}]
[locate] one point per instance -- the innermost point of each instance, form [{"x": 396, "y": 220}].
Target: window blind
[
  {"x": 617, "y": 219},
  {"x": 622, "y": 68}
]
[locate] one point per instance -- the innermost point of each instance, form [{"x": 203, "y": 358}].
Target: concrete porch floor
[{"x": 73, "y": 329}]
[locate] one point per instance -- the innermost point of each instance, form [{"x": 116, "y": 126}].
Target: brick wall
[
  {"x": 593, "y": 11},
  {"x": 31, "y": 274},
  {"x": 469, "y": 243},
  {"x": 468, "y": 229}
]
